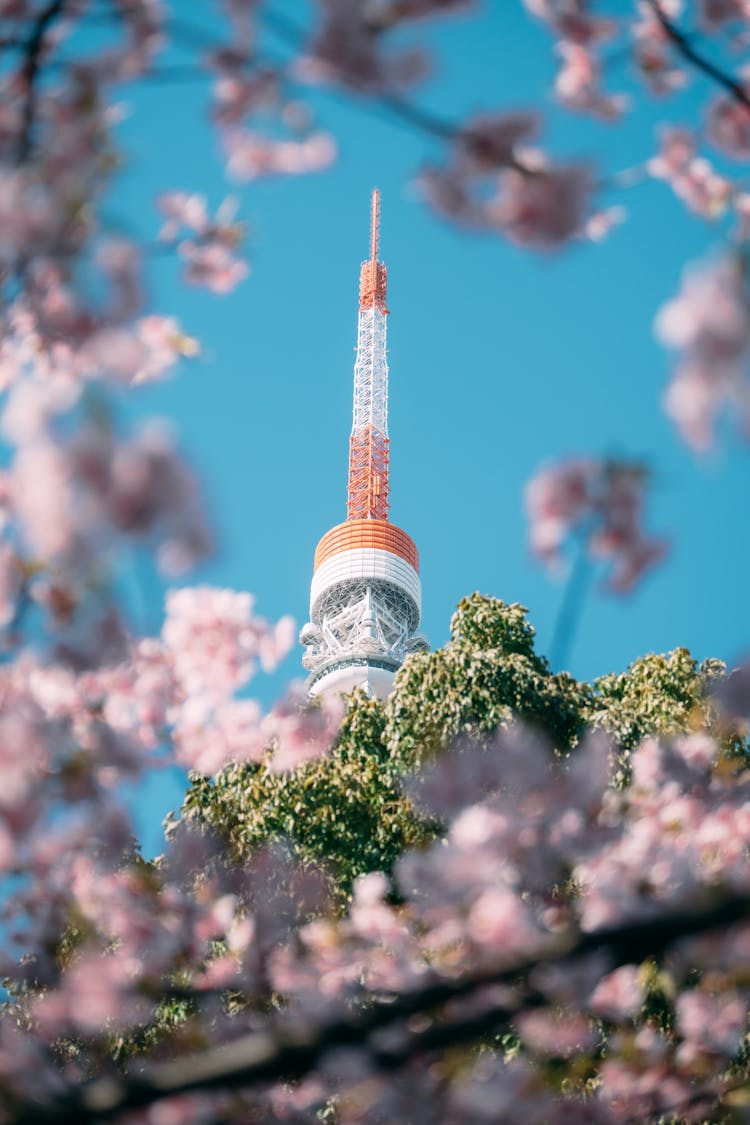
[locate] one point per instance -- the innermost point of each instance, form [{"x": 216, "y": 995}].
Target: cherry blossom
[
  {"x": 619, "y": 995},
  {"x": 715, "y": 1023},
  {"x": 708, "y": 325},
  {"x": 495, "y": 182},
  {"x": 349, "y": 45},
  {"x": 492, "y": 931},
  {"x": 299, "y": 731},
  {"x": 601, "y": 223},
  {"x": 654, "y": 51},
  {"x": 728, "y": 127},
  {"x": 545, "y": 207},
  {"x": 577, "y": 84},
  {"x": 692, "y": 178},
  {"x": 208, "y": 738},
  {"x": 93, "y": 994},
  {"x": 215, "y": 641},
  {"x": 602, "y": 503},
  {"x": 210, "y": 251},
  {"x": 182, "y": 210},
  {"x": 251, "y": 155},
  {"x": 237, "y": 93},
  {"x": 492, "y": 140},
  {"x": 715, "y": 14},
  {"x": 572, "y": 20},
  {"x": 68, "y": 498},
  {"x": 733, "y": 693}
]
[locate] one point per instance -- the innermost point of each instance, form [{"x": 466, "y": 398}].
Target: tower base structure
[{"x": 365, "y": 608}]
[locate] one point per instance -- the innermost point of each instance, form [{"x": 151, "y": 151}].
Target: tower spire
[
  {"x": 369, "y": 447},
  {"x": 365, "y": 597},
  {"x": 374, "y": 224}
]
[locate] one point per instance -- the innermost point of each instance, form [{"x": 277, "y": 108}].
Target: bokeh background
[{"x": 501, "y": 360}]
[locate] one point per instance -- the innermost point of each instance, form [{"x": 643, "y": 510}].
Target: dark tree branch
[
  {"x": 421, "y": 118},
  {"x": 284, "y": 1054},
  {"x": 34, "y": 48},
  {"x": 684, "y": 46}
]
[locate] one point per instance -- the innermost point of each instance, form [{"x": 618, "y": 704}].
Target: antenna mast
[
  {"x": 365, "y": 596},
  {"x": 369, "y": 447}
]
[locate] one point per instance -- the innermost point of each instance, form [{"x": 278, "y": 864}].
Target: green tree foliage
[
  {"x": 660, "y": 694},
  {"x": 665, "y": 694},
  {"x": 347, "y": 810},
  {"x": 486, "y": 673}
]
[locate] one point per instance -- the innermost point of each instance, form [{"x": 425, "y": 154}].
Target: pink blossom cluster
[
  {"x": 580, "y": 34},
  {"x": 209, "y": 250},
  {"x": 601, "y": 502},
  {"x": 708, "y": 325},
  {"x": 51, "y": 333},
  {"x": 733, "y": 693},
  {"x": 68, "y": 501},
  {"x": 263, "y": 128},
  {"x": 578, "y": 84},
  {"x": 715, "y": 14},
  {"x": 70, "y": 738},
  {"x": 728, "y": 126},
  {"x": 537, "y": 849},
  {"x": 349, "y": 43},
  {"x": 658, "y": 63},
  {"x": 519, "y": 824},
  {"x": 251, "y": 154},
  {"x": 494, "y": 181},
  {"x": 181, "y": 689},
  {"x": 573, "y": 20},
  {"x": 692, "y": 178},
  {"x": 215, "y": 641},
  {"x": 658, "y": 37}
]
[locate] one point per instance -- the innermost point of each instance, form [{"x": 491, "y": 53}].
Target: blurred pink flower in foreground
[
  {"x": 708, "y": 325},
  {"x": 601, "y": 501},
  {"x": 492, "y": 181},
  {"x": 692, "y": 178},
  {"x": 572, "y": 20},
  {"x": 209, "y": 737},
  {"x": 215, "y": 641},
  {"x": 349, "y": 45},
  {"x": 251, "y": 155},
  {"x": 713, "y": 14},
  {"x": 733, "y": 693},
  {"x": 655, "y": 55},
  {"x": 728, "y": 127},
  {"x": 209, "y": 250},
  {"x": 577, "y": 84}
]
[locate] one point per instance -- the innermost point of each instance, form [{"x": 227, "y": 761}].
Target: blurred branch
[
  {"x": 683, "y": 44},
  {"x": 288, "y": 1053},
  {"x": 34, "y": 48},
  {"x": 571, "y": 607}
]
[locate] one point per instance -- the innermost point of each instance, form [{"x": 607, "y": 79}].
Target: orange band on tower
[{"x": 377, "y": 534}]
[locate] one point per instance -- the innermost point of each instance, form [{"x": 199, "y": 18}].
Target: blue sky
[{"x": 500, "y": 361}]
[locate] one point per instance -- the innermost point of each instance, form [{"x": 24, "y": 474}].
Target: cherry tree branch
[
  {"x": 684, "y": 46},
  {"x": 286, "y": 1053},
  {"x": 34, "y": 48}
]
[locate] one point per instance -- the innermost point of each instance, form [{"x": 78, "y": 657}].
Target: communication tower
[{"x": 366, "y": 597}]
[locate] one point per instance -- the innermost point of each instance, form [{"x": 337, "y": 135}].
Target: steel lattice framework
[
  {"x": 365, "y": 601},
  {"x": 368, "y": 445}
]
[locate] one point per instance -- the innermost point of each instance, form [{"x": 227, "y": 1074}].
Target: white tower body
[{"x": 366, "y": 597}]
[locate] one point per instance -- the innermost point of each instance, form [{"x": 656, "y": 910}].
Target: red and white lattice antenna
[
  {"x": 365, "y": 596},
  {"x": 368, "y": 444},
  {"x": 374, "y": 224}
]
